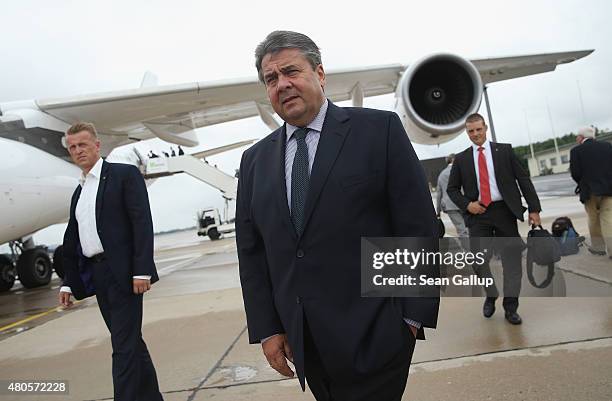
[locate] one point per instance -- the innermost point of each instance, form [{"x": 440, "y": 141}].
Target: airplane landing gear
[
  {"x": 34, "y": 267},
  {"x": 7, "y": 273}
]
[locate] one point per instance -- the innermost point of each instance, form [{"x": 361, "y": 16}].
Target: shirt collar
[
  {"x": 585, "y": 139},
  {"x": 486, "y": 145},
  {"x": 316, "y": 124},
  {"x": 95, "y": 171}
]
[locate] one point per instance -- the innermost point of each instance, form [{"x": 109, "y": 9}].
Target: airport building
[{"x": 548, "y": 161}]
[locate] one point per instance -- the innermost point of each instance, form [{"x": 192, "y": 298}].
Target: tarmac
[{"x": 195, "y": 329}]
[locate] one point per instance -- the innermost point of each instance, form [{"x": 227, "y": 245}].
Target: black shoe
[
  {"x": 513, "y": 318},
  {"x": 488, "y": 309}
]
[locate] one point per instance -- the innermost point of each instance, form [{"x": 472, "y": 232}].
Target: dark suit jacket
[
  {"x": 508, "y": 172},
  {"x": 591, "y": 168},
  {"x": 125, "y": 228},
  {"x": 366, "y": 181}
]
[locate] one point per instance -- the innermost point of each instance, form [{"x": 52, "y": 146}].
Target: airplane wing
[
  {"x": 222, "y": 149},
  {"x": 502, "y": 68},
  {"x": 173, "y": 112}
]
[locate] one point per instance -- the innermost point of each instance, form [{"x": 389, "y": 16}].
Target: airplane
[{"x": 432, "y": 97}]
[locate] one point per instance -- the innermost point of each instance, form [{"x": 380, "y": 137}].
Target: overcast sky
[{"x": 63, "y": 48}]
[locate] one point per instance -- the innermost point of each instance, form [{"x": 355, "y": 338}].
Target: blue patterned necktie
[{"x": 299, "y": 180}]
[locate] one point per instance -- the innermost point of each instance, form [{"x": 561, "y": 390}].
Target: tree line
[{"x": 524, "y": 153}]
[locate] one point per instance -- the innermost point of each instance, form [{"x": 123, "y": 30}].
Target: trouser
[
  {"x": 496, "y": 229},
  {"x": 456, "y": 217},
  {"x": 386, "y": 385},
  {"x": 134, "y": 376},
  {"x": 599, "y": 212}
]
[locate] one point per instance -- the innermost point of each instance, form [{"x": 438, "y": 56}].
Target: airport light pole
[
  {"x": 584, "y": 120},
  {"x": 529, "y": 137},
  {"x": 552, "y": 127},
  {"x": 486, "y": 96}
]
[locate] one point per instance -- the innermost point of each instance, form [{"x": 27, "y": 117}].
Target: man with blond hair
[
  {"x": 591, "y": 168},
  {"x": 108, "y": 252}
]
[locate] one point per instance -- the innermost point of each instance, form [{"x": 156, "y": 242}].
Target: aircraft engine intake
[{"x": 435, "y": 95}]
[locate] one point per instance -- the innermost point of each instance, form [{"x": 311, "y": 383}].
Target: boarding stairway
[{"x": 198, "y": 168}]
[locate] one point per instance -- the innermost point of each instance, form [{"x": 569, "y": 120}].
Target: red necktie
[{"x": 485, "y": 190}]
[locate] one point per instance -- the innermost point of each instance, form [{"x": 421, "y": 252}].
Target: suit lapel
[
  {"x": 278, "y": 165},
  {"x": 471, "y": 167},
  {"x": 100, "y": 194},
  {"x": 333, "y": 134},
  {"x": 75, "y": 200},
  {"x": 495, "y": 157}
]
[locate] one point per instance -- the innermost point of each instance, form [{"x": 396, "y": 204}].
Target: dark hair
[{"x": 280, "y": 40}]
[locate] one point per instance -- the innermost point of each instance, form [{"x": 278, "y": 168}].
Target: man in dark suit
[
  {"x": 307, "y": 193},
  {"x": 591, "y": 168},
  {"x": 488, "y": 173},
  {"x": 108, "y": 251}
]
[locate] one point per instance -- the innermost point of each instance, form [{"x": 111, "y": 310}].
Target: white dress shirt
[
  {"x": 495, "y": 194},
  {"x": 85, "y": 214}
]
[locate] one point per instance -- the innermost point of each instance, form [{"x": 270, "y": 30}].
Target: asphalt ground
[{"x": 195, "y": 328}]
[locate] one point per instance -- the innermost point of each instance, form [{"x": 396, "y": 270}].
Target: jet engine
[{"x": 435, "y": 95}]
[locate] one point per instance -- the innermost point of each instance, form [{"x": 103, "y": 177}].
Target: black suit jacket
[
  {"x": 366, "y": 181},
  {"x": 591, "y": 168},
  {"x": 125, "y": 228},
  {"x": 508, "y": 172}
]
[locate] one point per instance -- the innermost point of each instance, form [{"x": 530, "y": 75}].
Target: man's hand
[
  {"x": 141, "y": 286},
  {"x": 476, "y": 208},
  {"x": 534, "y": 218},
  {"x": 277, "y": 351},
  {"x": 65, "y": 299}
]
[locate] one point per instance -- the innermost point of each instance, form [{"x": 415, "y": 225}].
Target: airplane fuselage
[{"x": 35, "y": 189}]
